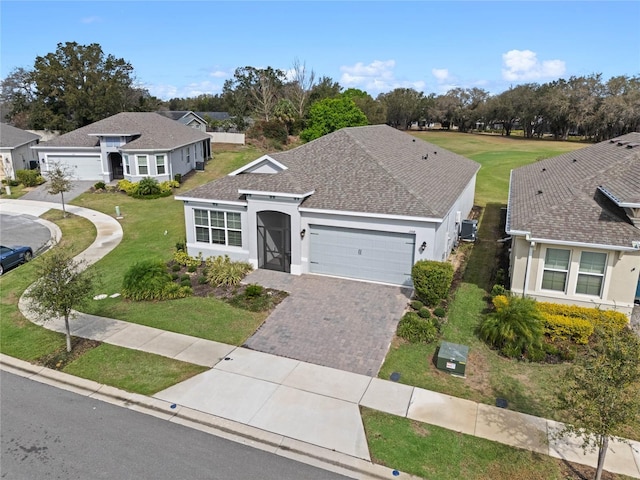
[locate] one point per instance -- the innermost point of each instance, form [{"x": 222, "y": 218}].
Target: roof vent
[
  {"x": 544, "y": 169},
  {"x": 631, "y": 145},
  {"x": 413, "y": 140},
  {"x": 435, "y": 153},
  {"x": 623, "y": 143},
  {"x": 424, "y": 157},
  {"x": 613, "y": 140},
  {"x": 539, "y": 192},
  {"x": 575, "y": 160}
]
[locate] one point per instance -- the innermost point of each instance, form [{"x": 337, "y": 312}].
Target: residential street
[{"x": 51, "y": 433}]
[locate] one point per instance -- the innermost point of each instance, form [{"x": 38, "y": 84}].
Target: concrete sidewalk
[{"x": 305, "y": 403}]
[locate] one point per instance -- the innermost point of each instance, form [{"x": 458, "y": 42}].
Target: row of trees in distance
[{"x": 77, "y": 85}]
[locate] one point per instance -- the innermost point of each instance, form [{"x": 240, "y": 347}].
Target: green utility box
[{"x": 452, "y": 358}]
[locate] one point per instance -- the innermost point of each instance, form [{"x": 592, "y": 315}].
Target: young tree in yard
[
  {"x": 331, "y": 114},
  {"x": 63, "y": 286},
  {"x": 600, "y": 392},
  {"x": 59, "y": 177}
]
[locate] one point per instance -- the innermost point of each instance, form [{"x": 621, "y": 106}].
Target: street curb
[{"x": 278, "y": 444}]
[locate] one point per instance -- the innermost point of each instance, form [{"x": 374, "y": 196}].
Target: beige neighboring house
[
  {"x": 574, "y": 221},
  {"x": 15, "y": 151},
  {"x": 362, "y": 202}
]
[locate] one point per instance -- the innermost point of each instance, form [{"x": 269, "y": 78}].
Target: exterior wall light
[
  {"x": 303, "y": 232},
  {"x": 423, "y": 247}
]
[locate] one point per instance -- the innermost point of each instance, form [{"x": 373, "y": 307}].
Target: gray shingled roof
[
  {"x": 559, "y": 198},
  {"x": 12, "y": 137},
  {"x": 153, "y": 132},
  {"x": 374, "y": 169}
]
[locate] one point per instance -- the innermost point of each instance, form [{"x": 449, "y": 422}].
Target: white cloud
[
  {"x": 167, "y": 92},
  {"x": 374, "y": 78},
  {"x": 441, "y": 74},
  {"x": 524, "y": 65},
  {"x": 219, "y": 74},
  {"x": 89, "y": 20}
]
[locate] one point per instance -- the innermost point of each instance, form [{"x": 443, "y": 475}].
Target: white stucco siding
[
  {"x": 19, "y": 158},
  {"x": 184, "y": 159}
]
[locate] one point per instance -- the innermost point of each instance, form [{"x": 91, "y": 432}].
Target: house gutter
[{"x": 527, "y": 270}]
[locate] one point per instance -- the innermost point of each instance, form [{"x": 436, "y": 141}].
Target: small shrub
[
  {"x": 184, "y": 277},
  {"x": 185, "y": 282},
  {"x": 192, "y": 268},
  {"x": 440, "y": 312},
  {"x": 432, "y": 280},
  {"x": 149, "y": 280},
  {"x": 174, "y": 276},
  {"x": 183, "y": 258},
  {"x": 178, "y": 178},
  {"x": 99, "y": 185},
  {"x": 417, "y": 305},
  {"x": 536, "y": 354},
  {"x": 181, "y": 246},
  {"x": 222, "y": 272},
  {"x": 254, "y": 290},
  {"x": 202, "y": 279},
  {"x": 176, "y": 267},
  {"x": 127, "y": 186},
  {"x": 29, "y": 178},
  {"x": 424, "y": 312},
  {"x": 498, "y": 290},
  {"x": 148, "y": 186},
  {"x": 415, "y": 329}
]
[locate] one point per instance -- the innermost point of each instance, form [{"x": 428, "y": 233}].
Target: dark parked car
[{"x": 12, "y": 256}]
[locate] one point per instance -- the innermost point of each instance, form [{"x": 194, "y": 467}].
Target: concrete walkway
[{"x": 311, "y": 409}]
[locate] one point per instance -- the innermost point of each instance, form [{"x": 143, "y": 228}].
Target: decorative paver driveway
[{"x": 344, "y": 324}]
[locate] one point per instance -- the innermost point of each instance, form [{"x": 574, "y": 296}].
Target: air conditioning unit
[{"x": 468, "y": 230}]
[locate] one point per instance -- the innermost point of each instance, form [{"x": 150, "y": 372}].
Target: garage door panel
[
  {"x": 82, "y": 167},
  {"x": 363, "y": 254}
]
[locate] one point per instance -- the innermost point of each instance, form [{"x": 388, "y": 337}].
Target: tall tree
[
  {"x": 332, "y": 114},
  {"x": 16, "y": 96},
  {"x": 63, "y": 286},
  {"x": 77, "y": 85},
  {"x": 325, "y": 88},
  {"x": 403, "y": 106},
  {"x": 255, "y": 91},
  {"x": 299, "y": 89},
  {"x": 600, "y": 391},
  {"x": 375, "y": 111}
]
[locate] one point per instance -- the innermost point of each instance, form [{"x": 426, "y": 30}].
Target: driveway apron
[{"x": 338, "y": 323}]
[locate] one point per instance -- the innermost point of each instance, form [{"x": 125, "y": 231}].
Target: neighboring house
[
  {"x": 188, "y": 118},
  {"x": 574, "y": 222},
  {"x": 130, "y": 145},
  {"x": 362, "y": 202},
  {"x": 15, "y": 151}
]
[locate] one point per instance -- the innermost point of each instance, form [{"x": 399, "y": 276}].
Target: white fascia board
[
  {"x": 131, "y": 134},
  {"x": 208, "y": 200},
  {"x": 508, "y": 217},
  {"x": 616, "y": 200},
  {"x": 257, "y": 161},
  {"x": 371, "y": 215},
  {"x": 595, "y": 246},
  {"x": 265, "y": 193},
  {"x": 144, "y": 150},
  {"x": 13, "y": 147},
  {"x": 56, "y": 148}
]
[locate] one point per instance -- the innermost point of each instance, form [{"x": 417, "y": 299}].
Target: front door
[
  {"x": 116, "y": 166},
  {"x": 274, "y": 241}
]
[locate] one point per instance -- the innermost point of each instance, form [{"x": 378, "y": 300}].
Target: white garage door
[
  {"x": 85, "y": 167},
  {"x": 363, "y": 254}
]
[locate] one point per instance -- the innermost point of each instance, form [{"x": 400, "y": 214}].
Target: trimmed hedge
[
  {"x": 415, "y": 329},
  {"x": 598, "y": 318},
  {"x": 432, "y": 280},
  {"x": 559, "y": 327},
  {"x": 149, "y": 280}
]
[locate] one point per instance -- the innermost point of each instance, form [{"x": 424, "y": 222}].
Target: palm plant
[{"x": 515, "y": 327}]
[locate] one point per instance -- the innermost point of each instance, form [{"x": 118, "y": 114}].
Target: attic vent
[
  {"x": 424, "y": 157},
  {"x": 413, "y": 140},
  {"x": 631, "y": 145},
  {"x": 435, "y": 153},
  {"x": 623, "y": 143},
  {"x": 539, "y": 192},
  {"x": 613, "y": 140},
  {"x": 544, "y": 169},
  {"x": 575, "y": 160}
]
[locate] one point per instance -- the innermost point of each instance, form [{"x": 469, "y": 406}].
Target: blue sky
[{"x": 186, "y": 48}]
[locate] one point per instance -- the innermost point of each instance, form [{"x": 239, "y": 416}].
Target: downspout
[{"x": 527, "y": 270}]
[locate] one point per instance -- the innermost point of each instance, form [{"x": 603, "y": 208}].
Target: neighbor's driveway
[{"x": 344, "y": 324}]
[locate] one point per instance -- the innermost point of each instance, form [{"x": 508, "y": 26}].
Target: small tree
[
  {"x": 600, "y": 391},
  {"x": 63, "y": 286},
  {"x": 60, "y": 177}
]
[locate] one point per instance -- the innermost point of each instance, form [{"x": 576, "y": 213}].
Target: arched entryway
[
  {"x": 274, "y": 241},
  {"x": 117, "y": 171}
]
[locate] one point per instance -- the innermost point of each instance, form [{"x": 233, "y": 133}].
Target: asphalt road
[
  {"x": 48, "y": 433},
  {"x": 23, "y": 230}
]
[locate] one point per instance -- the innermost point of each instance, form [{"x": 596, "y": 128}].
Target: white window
[
  {"x": 127, "y": 166},
  {"x": 221, "y": 228},
  {"x": 188, "y": 154},
  {"x": 591, "y": 273},
  {"x": 556, "y": 269},
  {"x": 113, "y": 141},
  {"x": 160, "y": 164},
  {"x": 143, "y": 165}
]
